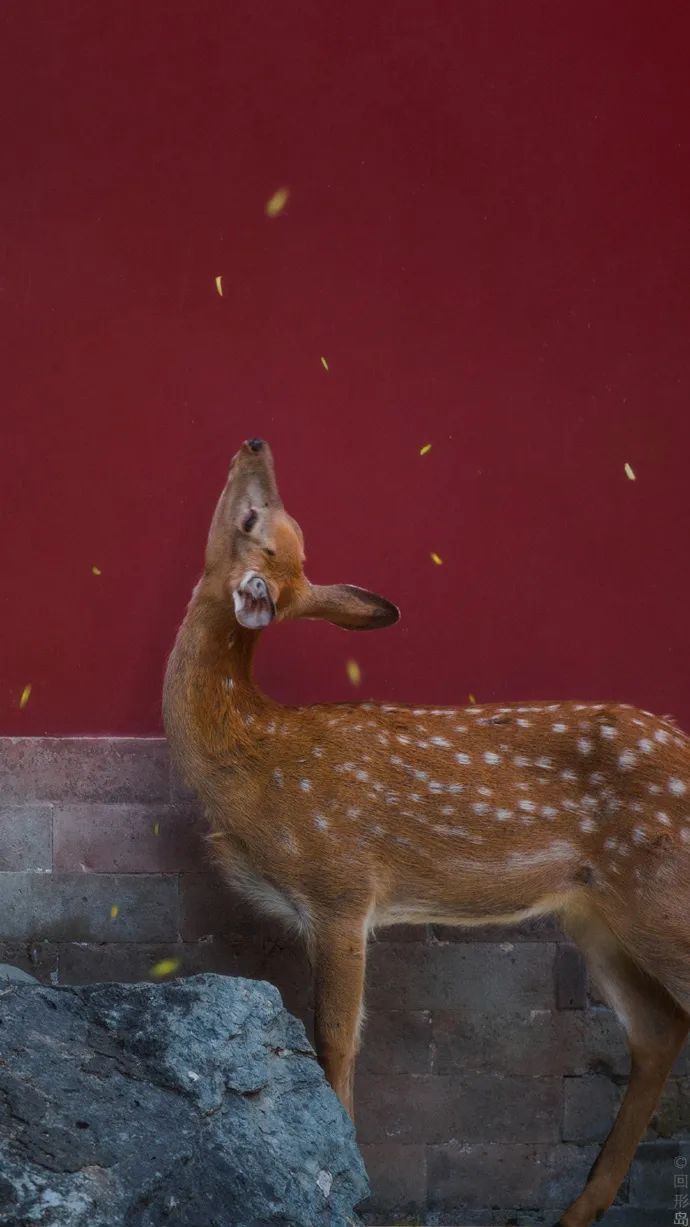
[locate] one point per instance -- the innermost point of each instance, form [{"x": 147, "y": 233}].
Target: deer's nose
[
  {"x": 255, "y": 445},
  {"x": 257, "y": 587}
]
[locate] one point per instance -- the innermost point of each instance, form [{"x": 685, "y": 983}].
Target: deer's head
[{"x": 255, "y": 556}]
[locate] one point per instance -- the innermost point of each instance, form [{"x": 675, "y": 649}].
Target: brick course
[{"x": 488, "y": 1074}]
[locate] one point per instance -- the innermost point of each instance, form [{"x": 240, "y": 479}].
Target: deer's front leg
[{"x": 339, "y": 990}]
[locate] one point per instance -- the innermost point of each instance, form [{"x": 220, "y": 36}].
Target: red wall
[{"x": 486, "y": 238}]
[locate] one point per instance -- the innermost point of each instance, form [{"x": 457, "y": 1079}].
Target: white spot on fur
[
  {"x": 555, "y": 852},
  {"x": 569, "y": 776},
  {"x": 548, "y": 811},
  {"x": 559, "y": 728},
  {"x": 661, "y": 735},
  {"x": 440, "y": 741},
  {"x": 521, "y": 761},
  {"x": 663, "y": 818},
  {"x": 609, "y": 731},
  {"x": 485, "y": 792},
  {"x": 588, "y": 824},
  {"x": 526, "y": 805},
  {"x": 320, "y": 822},
  {"x": 305, "y": 785},
  {"x": 584, "y": 745},
  {"x": 480, "y": 807},
  {"x": 524, "y": 724},
  {"x": 626, "y": 760},
  {"x": 463, "y": 759},
  {"x": 639, "y": 835},
  {"x": 677, "y": 787},
  {"x": 545, "y": 763},
  {"x": 504, "y": 814},
  {"x": 278, "y": 776},
  {"x": 645, "y": 745},
  {"x": 361, "y": 775},
  {"x": 491, "y": 757}
]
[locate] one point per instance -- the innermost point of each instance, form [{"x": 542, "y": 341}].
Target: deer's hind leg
[{"x": 656, "y": 1028}]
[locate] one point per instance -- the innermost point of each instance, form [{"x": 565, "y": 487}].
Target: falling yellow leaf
[
  {"x": 324, "y": 363},
  {"x": 156, "y": 828},
  {"x": 354, "y": 672},
  {"x": 219, "y": 285},
  {"x": 114, "y": 912},
  {"x": 423, "y": 450},
  {"x": 278, "y": 201},
  {"x": 629, "y": 472},
  {"x": 166, "y": 967},
  {"x": 472, "y": 698},
  {"x": 96, "y": 571},
  {"x": 25, "y": 696},
  {"x": 435, "y": 558}
]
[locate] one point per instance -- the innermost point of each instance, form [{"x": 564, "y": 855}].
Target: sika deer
[{"x": 339, "y": 817}]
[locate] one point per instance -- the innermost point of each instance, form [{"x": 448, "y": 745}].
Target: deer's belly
[{"x": 418, "y": 913}]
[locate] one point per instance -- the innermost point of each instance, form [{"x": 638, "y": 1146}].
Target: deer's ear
[{"x": 355, "y": 609}]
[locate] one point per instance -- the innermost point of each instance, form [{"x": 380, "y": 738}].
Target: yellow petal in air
[
  {"x": 435, "y": 558},
  {"x": 354, "y": 672},
  {"x": 324, "y": 363},
  {"x": 96, "y": 571},
  {"x": 114, "y": 912},
  {"x": 423, "y": 450},
  {"x": 166, "y": 967},
  {"x": 629, "y": 472},
  {"x": 25, "y": 696},
  {"x": 472, "y": 698},
  {"x": 156, "y": 828},
  {"x": 219, "y": 285},
  {"x": 278, "y": 201}
]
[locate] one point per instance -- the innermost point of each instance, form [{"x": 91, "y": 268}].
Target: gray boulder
[{"x": 197, "y": 1103}]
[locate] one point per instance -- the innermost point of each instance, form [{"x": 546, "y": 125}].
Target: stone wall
[{"x": 488, "y": 1075}]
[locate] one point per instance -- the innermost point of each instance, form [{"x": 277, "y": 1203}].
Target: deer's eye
[{"x": 249, "y": 521}]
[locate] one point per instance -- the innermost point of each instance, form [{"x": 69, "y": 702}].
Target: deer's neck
[{"x": 209, "y": 693}]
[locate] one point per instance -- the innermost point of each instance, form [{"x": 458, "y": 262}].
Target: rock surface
[{"x": 197, "y": 1103}]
